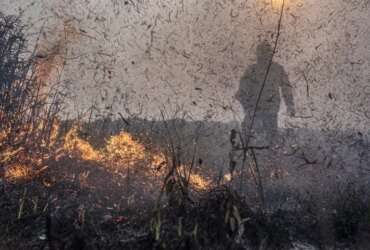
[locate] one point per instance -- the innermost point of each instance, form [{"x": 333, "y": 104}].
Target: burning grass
[
  {"x": 124, "y": 155},
  {"x": 18, "y": 172},
  {"x": 123, "y": 149},
  {"x": 25, "y": 158},
  {"x": 77, "y": 147},
  {"x": 28, "y": 112}
]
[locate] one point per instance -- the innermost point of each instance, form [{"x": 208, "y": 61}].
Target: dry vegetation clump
[
  {"x": 219, "y": 219},
  {"x": 28, "y": 114}
]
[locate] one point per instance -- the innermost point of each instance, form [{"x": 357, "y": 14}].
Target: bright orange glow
[
  {"x": 26, "y": 160},
  {"x": 54, "y": 133},
  {"x": 18, "y": 172},
  {"x": 120, "y": 151},
  {"x": 195, "y": 180},
  {"x": 158, "y": 160},
  {"x": 198, "y": 182},
  {"x": 123, "y": 149},
  {"x": 77, "y": 146}
]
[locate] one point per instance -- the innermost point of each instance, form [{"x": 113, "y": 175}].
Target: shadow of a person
[{"x": 277, "y": 83}]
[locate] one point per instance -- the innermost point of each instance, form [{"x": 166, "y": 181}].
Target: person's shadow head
[
  {"x": 264, "y": 52},
  {"x": 260, "y": 89}
]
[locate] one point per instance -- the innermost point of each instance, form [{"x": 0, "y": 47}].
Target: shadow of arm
[{"x": 287, "y": 93}]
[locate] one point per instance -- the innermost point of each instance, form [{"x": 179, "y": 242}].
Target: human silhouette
[{"x": 277, "y": 84}]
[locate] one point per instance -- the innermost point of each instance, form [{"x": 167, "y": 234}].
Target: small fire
[
  {"x": 124, "y": 150},
  {"x": 54, "y": 133},
  {"x": 76, "y": 146},
  {"x": 195, "y": 180},
  {"x": 18, "y": 172},
  {"x": 198, "y": 182},
  {"x": 27, "y": 158},
  {"x": 122, "y": 153}
]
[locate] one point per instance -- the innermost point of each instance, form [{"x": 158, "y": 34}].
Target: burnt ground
[
  {"x": 66, "y": 208},
  {"x": 80, "y": 204},
  {"x": 73, "y": 203}
]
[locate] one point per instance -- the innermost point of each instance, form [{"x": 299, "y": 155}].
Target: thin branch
[{"x": 259, "y": 178}]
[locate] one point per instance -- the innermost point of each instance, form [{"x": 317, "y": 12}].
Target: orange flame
[
  {"x": 123, "y": 149},
  {"x": 17, "y": 172},
  {"x": 198, "y": 182},
  {"x": 79, "y": 147},
  {"x": 195, "y": 180}
]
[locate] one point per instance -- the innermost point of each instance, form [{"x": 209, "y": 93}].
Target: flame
[
  {"x": 23, "y": 159},
  {"x": 198, "y": 182},
  {"x": 158, "y": 161},
  {"x": 17, "y": 172},
  {"x": 120, "y": 151},
  {"x": 124, "y": 150},
  {"x": 76, "y": 146},
  {"x": 54, "y": 132},
  {"x": 22, "y": 150},
  {"x": 195, "y": 180}
]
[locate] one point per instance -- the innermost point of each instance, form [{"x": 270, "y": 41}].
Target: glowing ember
[{"x": 195, "y": 180}]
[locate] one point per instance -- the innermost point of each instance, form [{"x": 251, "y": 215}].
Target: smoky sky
[{"x": 193, "y": 55}]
